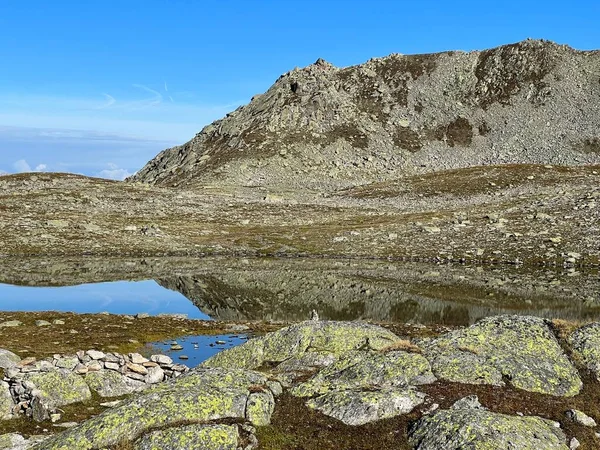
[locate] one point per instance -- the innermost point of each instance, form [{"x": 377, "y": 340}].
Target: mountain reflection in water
[{"x": 289, "y": 289}]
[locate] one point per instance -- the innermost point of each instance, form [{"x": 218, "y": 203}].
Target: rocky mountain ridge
[{"x": 324, "y": 128}]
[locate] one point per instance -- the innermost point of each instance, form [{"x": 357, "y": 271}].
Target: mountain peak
[{"x": 325, "y": 128}]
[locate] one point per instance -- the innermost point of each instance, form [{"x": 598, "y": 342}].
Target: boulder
[
  {"x": 520, "y": 350},
  {"x": 468, "y": 428},
  {"x": 367, "y": 370},
  {"x": 12, "y": 441},
  {"x": 58, "y": 387},
  {"x": 108, "y": 383},
  {"x": 8, "y": 359},
  {"x": 191, "y": 437},
  {"x": 585, "y": 342},
  {"x": 202, "y": 395},
  {"x": 306, "y": 337},
  {"x": 359, "y": 408},
  {"x": 581, "y": 418},
  {"x": 6, "y": 402}
]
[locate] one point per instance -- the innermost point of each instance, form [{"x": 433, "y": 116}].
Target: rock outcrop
[
  {"x": 324, "y": 127},
  {"x": 521, "y": 351},
  {"x": 211, "y": 399},
  {"x": 585, "y": 342},
  {"x": 459, "y": 428},
  {"x": 39, "y": 387},
  {"x": 354, "y": 373}
]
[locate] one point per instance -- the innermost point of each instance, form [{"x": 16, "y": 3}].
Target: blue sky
[{"x": 101, "y": 87}]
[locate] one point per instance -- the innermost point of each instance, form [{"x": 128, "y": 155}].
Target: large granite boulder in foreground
[
  {"x": 361, "y": 407},
  {"x": 307, "y": 337},
  {"x": 520, "y": 350},
  {"x": 203, "y": 396},
  {"x": 474, "y": 428}
]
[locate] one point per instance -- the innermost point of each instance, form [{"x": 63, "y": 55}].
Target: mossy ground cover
[
  {"x": 105, "y": 332},
  {"x": 296, "y": 427}
]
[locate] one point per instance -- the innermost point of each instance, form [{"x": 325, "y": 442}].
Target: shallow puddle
[{"x": 196, "y": 349}]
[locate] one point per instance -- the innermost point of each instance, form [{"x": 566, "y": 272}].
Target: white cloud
[
  {"x": 114, "y": 172},
  {"x": 2, "y": 172},
  {"x": 22, "y": 166}
]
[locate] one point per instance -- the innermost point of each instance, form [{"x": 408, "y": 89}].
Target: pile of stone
[{"x": 39, "y": 387}]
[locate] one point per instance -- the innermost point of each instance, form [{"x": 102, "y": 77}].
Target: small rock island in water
[{"x": 453, "y": 255}]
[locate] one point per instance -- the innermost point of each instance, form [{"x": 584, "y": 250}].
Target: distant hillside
[{"x": 325, "y": 128}]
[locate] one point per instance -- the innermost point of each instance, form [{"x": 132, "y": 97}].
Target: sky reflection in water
[{"x": 120, "y": 297}]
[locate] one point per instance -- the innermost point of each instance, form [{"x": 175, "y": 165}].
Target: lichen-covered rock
[
  {"x": 585, "y": 342},
  {"x": 191, "y": 437},
  {"x": 358, "y": 408},
  {"x": 59, "y": 387},
  {"x": 310, "y": 336},
  {"x": 15, "y": 441},
  {"x": 8, "y": 359},
  {"x": 249, "y": 355},
  {"x": 480, "y": 429},
  {"x": 307, "y": 362},
  {"x": 108, "y": 383},
  {"x": 260, "y": 407},
  {"x": 11, "y": 441},
  {"x": 6, "y": 402},
  {"x": 365, "y": 370},
  {"x": 200, "y": 396},
  {"x": 521, "y": 350}
]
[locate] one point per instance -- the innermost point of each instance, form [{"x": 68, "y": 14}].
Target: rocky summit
[{"x": 323, "y": 127}]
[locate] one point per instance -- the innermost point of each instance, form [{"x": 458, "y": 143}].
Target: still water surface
[
  {"x": 289, "y": 289},
  {"x": 119, "y": 297}
]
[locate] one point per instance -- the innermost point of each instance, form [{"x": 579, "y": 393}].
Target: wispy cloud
[
  {"x": 155, "y": 100},
  {"x": 138, "y": 111},
  {"x": 110, "y": 100}
]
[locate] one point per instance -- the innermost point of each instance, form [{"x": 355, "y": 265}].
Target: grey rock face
[
  {"x": 192, "y": 437},
  {"x": 586, "y": 344},
  {"x": 522, "y": 350},
  {"x": 201, "y": 395},
  {"x": 112, "y": 384},
  {"x": 325, "y": 127},
  {"x": 363, "y": 370},
  {"x": 12, "y": 441},
  {"x": 581, "y": 418},
  {"x": 361, "y": 407},
  {"x": 8, "y": 359},
  {"x": 58, "y": 387},
  {"x": 475, "y": 428},
  {"x": 306, "y": 337},
  {"x": 6, "y": 402}
]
